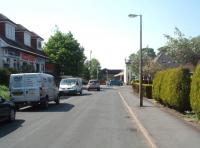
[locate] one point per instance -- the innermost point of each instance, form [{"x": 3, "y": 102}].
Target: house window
[
  {"x": 10, "y": 31},
  {"x": 6, "y": 62},
  {"x": 39, "y": 44},
  {"x": 27, "y": 39}
]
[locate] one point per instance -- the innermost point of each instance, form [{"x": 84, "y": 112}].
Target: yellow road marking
[{"x": 140, "y": 126}]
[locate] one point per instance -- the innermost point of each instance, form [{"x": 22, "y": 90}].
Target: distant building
[
  {"x": 109, "y": 74},
  {"x": 20, "y": 48},
  {"x": 128, "y": 74},
  {"x": 165, "y": 60}
]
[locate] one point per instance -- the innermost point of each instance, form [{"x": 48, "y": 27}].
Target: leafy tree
[
  {"x": 86, "y": 70},
  {"x": 95, "y": 68},
  {"x": 183, "y": 50},
  {"x": 65, "y": 51},
  {"x": 163, "y": 49},
  {"x": 148, "y": 54},
  {"x": 134, "y": 61}
]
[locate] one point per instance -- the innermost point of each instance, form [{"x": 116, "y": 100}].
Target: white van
[
  {"x": 33, "y": 88},
  {"x": 70, "y": 86}
]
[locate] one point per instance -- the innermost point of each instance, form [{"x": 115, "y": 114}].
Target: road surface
[{"x": 97, "y": 119}]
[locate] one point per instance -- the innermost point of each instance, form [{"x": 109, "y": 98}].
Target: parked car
[
  {"x": 70, "y": 86},
  {"x": 115, "y": 83},
  {"x": 33, "y": 89},
  {"x": 93, "y": 84},
  {"x": 7, "y": 110}
]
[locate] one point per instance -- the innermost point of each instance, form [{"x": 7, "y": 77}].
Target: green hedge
[
  {"x": 172, "y": 88},
  {"x": 147, "y": 89},
  {"x": 195, "y": 91},
  {"x": 5, "y": 75},
  {"x": 4, "y": 92}
]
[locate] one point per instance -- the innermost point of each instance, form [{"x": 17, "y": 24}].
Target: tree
[
  {"x": 66, "y": 52},
  {"x": 92, "y": 69},
  {"x": 134, "y": 61},
  {"x": 148, "y": 54},
  {"x": 183, "y": 50},
  {"x": 86, "y": 70},
  {"x": 95, "y": 68}
]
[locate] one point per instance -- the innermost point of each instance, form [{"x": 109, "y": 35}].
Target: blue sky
[{"x": 103, "y": 26}]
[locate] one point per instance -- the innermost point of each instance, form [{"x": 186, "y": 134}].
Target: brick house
[{"x": 20, "y": 48}]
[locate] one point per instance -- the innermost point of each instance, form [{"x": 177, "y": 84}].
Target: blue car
[{"x": 115, "y": 83}]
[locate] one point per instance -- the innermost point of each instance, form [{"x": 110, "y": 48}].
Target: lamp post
[
  {"x": 90, "y": 63},
  {"x": 140, "y": 65}
]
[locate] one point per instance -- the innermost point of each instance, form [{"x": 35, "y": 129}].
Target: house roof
[
  {"x": 20, "y": 46},
  {"x": 19, "y": 27},
  {"x": 3, "y": 18},
  {"x": 34, "y": 35},
  {"x": 22, "y": 28}
]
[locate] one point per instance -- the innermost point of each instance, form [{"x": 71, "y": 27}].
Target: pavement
[{"x": 161, "y": 128}]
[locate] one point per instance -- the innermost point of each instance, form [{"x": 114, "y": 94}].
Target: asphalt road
[{"x": 98, "y": 119}]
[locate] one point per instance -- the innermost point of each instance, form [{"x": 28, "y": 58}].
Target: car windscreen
[
  {"x": 68, "y": 82},
  {"x": 93, "y": 82}
]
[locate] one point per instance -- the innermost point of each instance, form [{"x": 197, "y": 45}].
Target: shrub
[
  {"x": 147, "y": 89},
  {"x": 4, "y": 92},
  {"x": 158, "y": 80},
  {"x": 172, "y": 87},
  {"x": 195, "y": 91},
  {"x": 5, "y": 75}
]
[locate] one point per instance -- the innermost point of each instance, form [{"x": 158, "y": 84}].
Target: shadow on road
[
  {"x": 6, "y": 128},
  {"x": 86, "y": 94},
  {"x": 62, "y": 107}
]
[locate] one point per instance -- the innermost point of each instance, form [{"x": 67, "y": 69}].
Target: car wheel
[
  {"x": 81, "y": 92},
  {"x": 98, "y": 89},
  {"x": 12, "y": 114},
  {"x": 17, "y": 107},
  {"x": 45, "y": 103},
  {"x": 57, "y": 100}
]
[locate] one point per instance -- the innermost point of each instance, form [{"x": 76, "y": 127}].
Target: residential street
[
  {"x": 110, "y": 118},
  {"x": 98, "y": 119}
]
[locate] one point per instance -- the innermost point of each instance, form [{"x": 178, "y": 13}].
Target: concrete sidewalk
[{"x": 166, "y": 130}]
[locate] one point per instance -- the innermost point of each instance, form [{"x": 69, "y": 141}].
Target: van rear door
[
  {"x": 32, "y": 89},
  {"x": 25, "y": 87}
]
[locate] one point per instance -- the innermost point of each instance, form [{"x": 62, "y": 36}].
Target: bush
[
  {"x": 158, "y": 80},
  {"x": 195, "y": 91},
  {"x": 5, "y": 75},
  {"x": 146, "y": 89},
  {"x": 172, "y": 88},
  {"x": 4, "y": 92}
]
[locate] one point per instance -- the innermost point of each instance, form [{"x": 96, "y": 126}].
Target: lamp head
[{"x": 132, "y": 15}]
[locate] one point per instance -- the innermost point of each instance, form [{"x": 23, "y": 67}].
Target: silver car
[{"x": 93, "y": 84}]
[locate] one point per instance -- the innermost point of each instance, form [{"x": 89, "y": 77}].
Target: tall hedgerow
[
  {"x": 195, "y": 91},
  {"x": 158, "y": 79},
  {"x": 172, "y": 87}
]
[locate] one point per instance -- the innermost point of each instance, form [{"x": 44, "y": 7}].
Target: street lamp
[
  {"x": 90, "y": 62},
  {"x": 140, "y": 66},
  {"x": 98, "y": 72}
]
